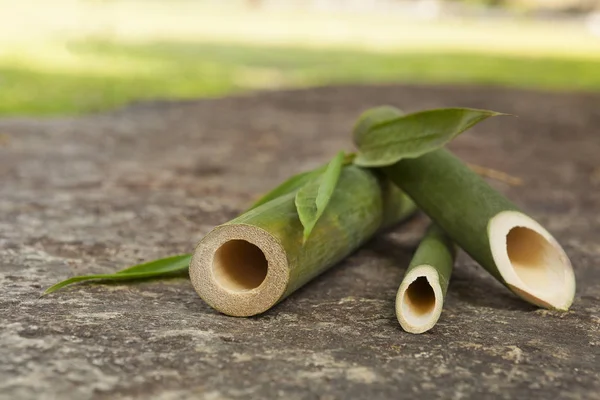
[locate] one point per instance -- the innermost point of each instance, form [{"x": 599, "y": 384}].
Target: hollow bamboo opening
[
  {"x": 535, "y": 261},
  {"x": 239, "y": 265},
  {"x": 419, "y": 300},
  {"x": 530, "y": 260}
]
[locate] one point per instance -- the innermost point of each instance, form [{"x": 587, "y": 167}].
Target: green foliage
[
  {"x": 290, "y": 185},
  {"x": 388, "y": 141},
  {"x": 164, "y": 267},
  {"x": 374, "y": 116},
  {"x": 296, "y": 182},
  {"x": 124, "y": 72},
  {"x": 312, "y": 199}
]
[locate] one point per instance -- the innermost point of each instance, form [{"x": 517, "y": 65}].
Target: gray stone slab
[{"x": 96, "y": 193}]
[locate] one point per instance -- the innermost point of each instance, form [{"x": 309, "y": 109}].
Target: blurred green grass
[{"x": 90, "y": 76}]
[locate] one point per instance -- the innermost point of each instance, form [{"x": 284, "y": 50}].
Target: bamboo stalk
[
  {"x": 510, "y": 245},
  {"x": 249, "y": 264},
  {"x": 421, "y": 294}
]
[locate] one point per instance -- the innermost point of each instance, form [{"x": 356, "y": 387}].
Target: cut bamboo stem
[
  {"x": 510, "y": 245},
  {"x": 249, "y": 264},
  {"x": 421, "y": 294}
]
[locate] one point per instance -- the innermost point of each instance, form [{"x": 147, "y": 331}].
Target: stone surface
[{"x": 100, "y": 192}]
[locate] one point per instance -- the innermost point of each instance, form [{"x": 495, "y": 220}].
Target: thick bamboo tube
[{"x": 249, "y": 264}]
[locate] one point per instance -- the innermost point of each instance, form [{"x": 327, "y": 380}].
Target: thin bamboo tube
[{"x": 421, "y": 294}]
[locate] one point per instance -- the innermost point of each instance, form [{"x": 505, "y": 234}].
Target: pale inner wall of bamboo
[
  {"x": 239, "y": 265},
  {"x": 531, "y": 261}
]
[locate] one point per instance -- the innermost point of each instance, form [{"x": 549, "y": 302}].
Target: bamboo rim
[
  {"x": 419, "y": 299},
  {"x": 240, "y": 270},
  {"x": 531, "y": 261}
]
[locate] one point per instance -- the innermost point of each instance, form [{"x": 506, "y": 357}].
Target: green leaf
[
  {"x": 290, "y": 185},
  {"x": 296, "y": 182},
  {"x": 372, "y": 117},
  {"x": 312, "y": 199},
  {"x": 386, "y": 142},
  {"x": 153, "y": 269}
]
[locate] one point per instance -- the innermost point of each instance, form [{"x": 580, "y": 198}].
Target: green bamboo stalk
[
  {"x": 249, "y": 264},
  {"x": 421, "y": 294},
  {"x": 510, "y": 245}
]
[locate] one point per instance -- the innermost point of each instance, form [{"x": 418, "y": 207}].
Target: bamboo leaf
[
  {"x": 290, "y": 185},
  {"x": 296, "y": 182},
  {"x": 312, "y": 199},
  {"x": 372, "y": 117},
  {"x": 387, "y": 141},
  {"x": 153, "y": 269}
]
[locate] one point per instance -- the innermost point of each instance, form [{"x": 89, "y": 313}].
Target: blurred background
[{"x": 62, "y": 57}]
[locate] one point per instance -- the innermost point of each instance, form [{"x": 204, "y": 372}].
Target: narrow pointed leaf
[
  {"x": 290, "y": 185},
  {"x": 296, "y": 182},
  {"x": 162, "y": 265},
  {"x": 413, "y": 135},
  {"x": 154, "y": 269},
  {"x": 312, "y": 199}
]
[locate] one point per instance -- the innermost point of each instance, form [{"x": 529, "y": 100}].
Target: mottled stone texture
[{"x": 98, "y": 193}]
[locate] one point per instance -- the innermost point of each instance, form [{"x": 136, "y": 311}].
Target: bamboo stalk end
[
  {"x": 240, "y": 270},
  {"x": 530, "y": 261},
  {"x": 419, "y": 300}
]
